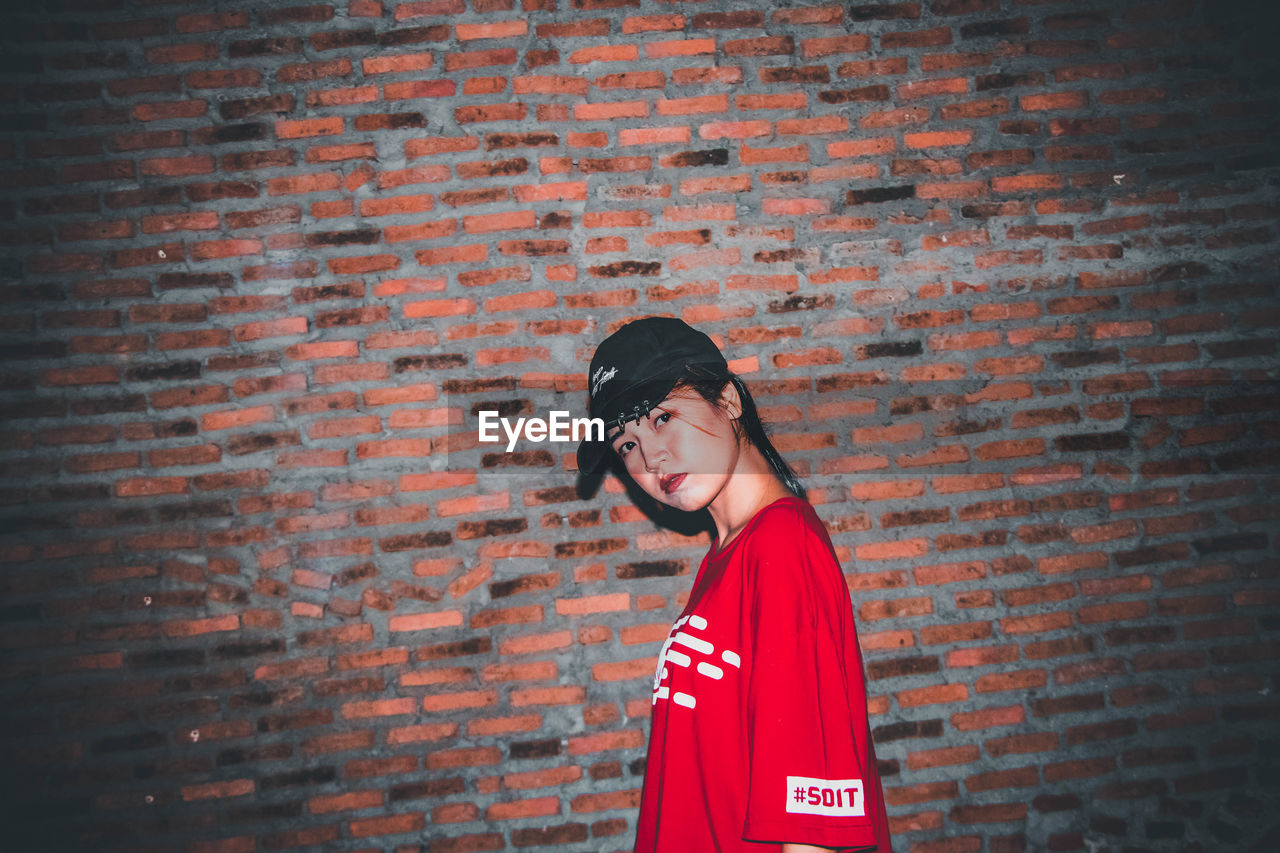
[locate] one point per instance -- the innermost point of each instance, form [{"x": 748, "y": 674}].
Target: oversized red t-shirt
[{"x": 759, "y": 733}]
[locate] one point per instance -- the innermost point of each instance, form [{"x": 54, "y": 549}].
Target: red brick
[
  {"x": 398, "y": 63},
  {"x": 494, "y": 30},
  {"x": 679, "y": 47},
  {"x": 302, "y": 128}
]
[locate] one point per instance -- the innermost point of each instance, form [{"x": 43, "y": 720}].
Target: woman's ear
[{"x": 731, "y": 401}]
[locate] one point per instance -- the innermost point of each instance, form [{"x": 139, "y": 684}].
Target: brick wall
[{"x": 1001, "y": 272}]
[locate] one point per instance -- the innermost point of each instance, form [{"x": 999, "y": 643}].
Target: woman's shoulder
[
  {"x": 788, "y": 524},
  {"x": 788, "y": 514},
  {"x": 792, "y": 558}
]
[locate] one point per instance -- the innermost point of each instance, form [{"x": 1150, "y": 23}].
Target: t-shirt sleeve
[{"x": 806, "y": 724}]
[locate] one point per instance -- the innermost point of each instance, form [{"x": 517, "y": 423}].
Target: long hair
[{"x": 709, "y": 384}]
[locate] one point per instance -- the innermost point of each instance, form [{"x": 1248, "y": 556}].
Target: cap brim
[{"x": 593, "y": 454}]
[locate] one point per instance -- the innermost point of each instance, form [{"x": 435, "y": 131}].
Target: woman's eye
[{"x": 656, "y": 419}]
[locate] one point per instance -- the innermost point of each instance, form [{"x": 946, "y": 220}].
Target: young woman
[{"x": 759, "y": 739}]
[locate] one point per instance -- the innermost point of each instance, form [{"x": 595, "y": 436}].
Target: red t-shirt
[{"x": 760, "y": 732}]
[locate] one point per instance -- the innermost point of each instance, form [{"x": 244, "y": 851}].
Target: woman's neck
[{"x": 750, "y": 488}]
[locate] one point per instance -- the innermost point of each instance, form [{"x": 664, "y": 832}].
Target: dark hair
[{"x": 709, "y": 383}]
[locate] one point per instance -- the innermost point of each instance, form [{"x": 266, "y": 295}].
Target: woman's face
[{"x": 682, "y": 453}]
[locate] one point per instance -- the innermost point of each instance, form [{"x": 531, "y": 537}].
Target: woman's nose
[{"x": 654, "y": 451}]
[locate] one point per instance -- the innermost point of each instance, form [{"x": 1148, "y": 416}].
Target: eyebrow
[{"x": 621, "y": 431}]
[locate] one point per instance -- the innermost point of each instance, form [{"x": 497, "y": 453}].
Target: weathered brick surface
[{"x": 1002, "y": 272}]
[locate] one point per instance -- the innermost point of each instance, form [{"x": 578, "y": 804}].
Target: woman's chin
[
  {"x": 683, "y": 501},
  {"x": 670, "y": 502}
]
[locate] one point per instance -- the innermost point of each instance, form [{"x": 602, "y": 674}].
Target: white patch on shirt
[
  {"x": 698, "y": 647},
  {"x": 710, "y": 669},
  {"x": 830, "y": 797},
  {"x": 695, "y": 643}
]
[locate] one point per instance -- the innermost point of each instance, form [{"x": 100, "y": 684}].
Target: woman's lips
[{"x": 670, "y": 484}]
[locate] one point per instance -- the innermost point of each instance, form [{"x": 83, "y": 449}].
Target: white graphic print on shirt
[{"x": 676, "y": 657}]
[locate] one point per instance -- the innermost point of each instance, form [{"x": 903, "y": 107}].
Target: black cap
[{"x": 634, "y": 369}]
